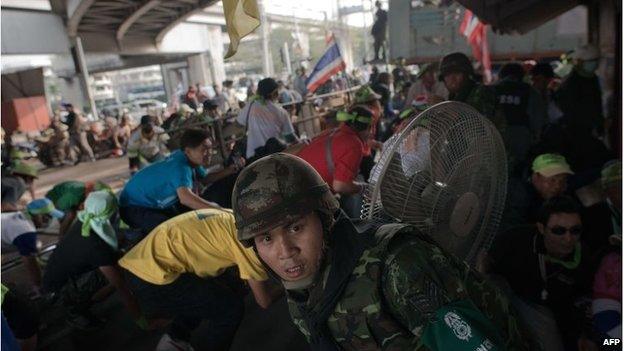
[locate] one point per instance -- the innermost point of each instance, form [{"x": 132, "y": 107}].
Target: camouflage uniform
[
  {"x": 396, "y": 289},
  {"x": 483, "y": 99},
  {"x": 387, "y": 288}
]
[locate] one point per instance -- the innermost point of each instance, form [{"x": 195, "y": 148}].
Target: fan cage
[{"x": 447, "y": 151}]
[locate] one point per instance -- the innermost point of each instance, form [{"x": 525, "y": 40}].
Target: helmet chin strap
[{"x": 300, "y": 284}]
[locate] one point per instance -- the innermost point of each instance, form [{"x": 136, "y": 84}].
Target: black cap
[
  {"x": 455, "y": 62},
  {"x": 266, "y": 87},
  {"x": 513, "y": 70},
  {"x": 210, "y": 104}
]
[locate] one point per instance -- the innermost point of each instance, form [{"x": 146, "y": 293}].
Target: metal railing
[{"x": 307, "y": 122}]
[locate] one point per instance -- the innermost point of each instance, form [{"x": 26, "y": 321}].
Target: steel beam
[
  {"x": 75, "y": 18},
  {"x": 127, "y": 23},
  {"x": 199, "y": 7}
]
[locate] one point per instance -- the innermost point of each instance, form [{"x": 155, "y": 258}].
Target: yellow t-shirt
[{"x": 201, "y": 242}]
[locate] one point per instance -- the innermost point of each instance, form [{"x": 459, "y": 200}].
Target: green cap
[
  {"x": 550, "y": 165},
  {"x": 67, "y": 195},
  {"x": 16, "y": 154},
  {"x": 22, "y": 168},
  {"x": 611, "y": 173},
  {"x": 366, "y": 94},
  {"x": 99, "y": 207}
]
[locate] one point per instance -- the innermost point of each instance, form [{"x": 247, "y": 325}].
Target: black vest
[{"x": 513, "y": 98}]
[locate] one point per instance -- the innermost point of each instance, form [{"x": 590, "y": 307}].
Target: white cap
[{"x": 586, "y": 52}]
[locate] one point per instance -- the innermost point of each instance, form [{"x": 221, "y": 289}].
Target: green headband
[
  {"x": 89, "y": 217},
  {"x": 343, "y": 116},
  {"x": 406, "y": 113}
]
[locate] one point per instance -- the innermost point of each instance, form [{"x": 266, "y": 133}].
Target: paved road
[
  {"x": 113, "y": 171},
  {"x": 260, "y": 329}
]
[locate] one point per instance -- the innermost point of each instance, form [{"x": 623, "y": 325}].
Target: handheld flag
[
  {"x": 475, "y": 32},
  {"x": 329, "y": 64}
]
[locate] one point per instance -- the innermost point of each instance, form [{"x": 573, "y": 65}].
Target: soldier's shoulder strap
[{"x": 387, "y": 233}]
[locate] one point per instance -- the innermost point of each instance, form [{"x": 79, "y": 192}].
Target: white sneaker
[{"x": 166, "y": 343}]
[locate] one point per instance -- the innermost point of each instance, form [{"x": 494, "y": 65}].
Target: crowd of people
[{"x": 184, "y": 241}]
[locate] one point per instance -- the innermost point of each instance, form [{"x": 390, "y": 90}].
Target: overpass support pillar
[
  {"x": 84, "y": 75},
  {"x": 215, "y": 54},
  {"x": 199, "y": 69}
]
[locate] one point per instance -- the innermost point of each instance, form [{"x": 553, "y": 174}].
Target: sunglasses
[{"x": 559, "y": 230}]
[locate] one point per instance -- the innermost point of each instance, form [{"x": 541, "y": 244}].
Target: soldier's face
[
  {"x": 454, "y": 81},
  {"x": 293, "y": 251}
]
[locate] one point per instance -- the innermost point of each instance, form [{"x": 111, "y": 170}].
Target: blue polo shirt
[{"x": 155, "y": 186}]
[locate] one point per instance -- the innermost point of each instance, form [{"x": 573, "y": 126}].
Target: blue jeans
[{"x": 189, "y": 300}]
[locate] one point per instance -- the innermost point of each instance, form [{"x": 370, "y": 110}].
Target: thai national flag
[
  {"x": 330, "y": 63},
  {"x": 475, "y": 32}
]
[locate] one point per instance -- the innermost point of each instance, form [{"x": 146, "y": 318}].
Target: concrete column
[
  {"x": 167, "y": 84},
  {"x": 215, "y": 54},
  {"x": 199, "y": 70},
  {"x": 174, "y": 74},
  {"x": 84, "y": 76},
  {"x": 265, "y": 27}
]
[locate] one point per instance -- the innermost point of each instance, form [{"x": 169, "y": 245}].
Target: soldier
[
  {"x": 524, "y": 112},
  {"x": 458, "y": 76},
  {"x": 363, "y": 289}
]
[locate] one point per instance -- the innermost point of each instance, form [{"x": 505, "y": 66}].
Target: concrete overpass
[{"x": 79, "y": 37}]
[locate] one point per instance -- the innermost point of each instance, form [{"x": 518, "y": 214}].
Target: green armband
[{"x": 460, "y": 325}]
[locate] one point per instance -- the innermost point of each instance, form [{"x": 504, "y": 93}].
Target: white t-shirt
[
  {"x": 138, "y": 146},
  {"x": 266, "y": 120},
  {"x": 14, "y": 224}
]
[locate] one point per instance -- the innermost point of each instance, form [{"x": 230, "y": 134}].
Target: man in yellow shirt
[{"x": 174, "y": 272}]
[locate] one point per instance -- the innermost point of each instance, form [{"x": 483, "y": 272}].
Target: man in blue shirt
[{"x": 165, "y": 189}]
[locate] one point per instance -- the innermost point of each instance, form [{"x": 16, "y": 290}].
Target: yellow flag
[{"x": 241, "y": 17}]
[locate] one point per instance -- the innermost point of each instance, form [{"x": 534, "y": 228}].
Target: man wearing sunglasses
[{"x": 550, "y": 272}]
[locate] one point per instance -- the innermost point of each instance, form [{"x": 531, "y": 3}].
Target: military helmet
[
  {"x": 455, "y": 62},
  {"x": 276, "y": 190}
]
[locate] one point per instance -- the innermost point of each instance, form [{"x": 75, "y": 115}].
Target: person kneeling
[
  {"x": 176, "y": 272},
  {"x": 85, "y": 260}
]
